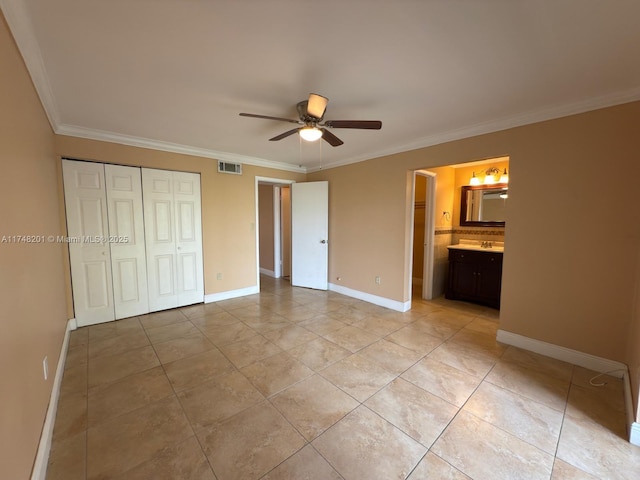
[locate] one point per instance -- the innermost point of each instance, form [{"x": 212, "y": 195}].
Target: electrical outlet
[
  {"x": 45, "y": 367},
  {"x": 377, "y": 280},
  {"x": 219, "y": 276}
]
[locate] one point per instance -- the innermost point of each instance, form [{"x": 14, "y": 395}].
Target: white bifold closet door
[
  {"x": 106, "y": 241},
  {"x": 127, "y": 245},
  {"x": 132, "y": 251},
  {"x": 88, "y": 232},
  {"x": 173, "y": 227}
]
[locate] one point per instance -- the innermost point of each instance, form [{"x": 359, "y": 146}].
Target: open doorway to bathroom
[{"x": 436, "y": 223}]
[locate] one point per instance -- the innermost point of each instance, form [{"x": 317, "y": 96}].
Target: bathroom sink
[{"x": 479, "y": 245}]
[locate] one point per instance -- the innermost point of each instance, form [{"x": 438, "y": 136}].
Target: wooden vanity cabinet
[{"x": 475, "y": 276}]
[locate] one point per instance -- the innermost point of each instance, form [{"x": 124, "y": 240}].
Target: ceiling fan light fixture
[
  {"x": 310, "y": 123},
  {"x": 310, "y": 134},
  {"x": 316, "y": 105}
]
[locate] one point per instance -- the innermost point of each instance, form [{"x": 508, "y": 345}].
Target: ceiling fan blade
[
  {"x": 330, "y": 138},
  {"x": 316, "y": 105},
  {"x": 253, "y": 115},
  {"x": 364, "y": 124},
  {"x": 284, "y": 135}
]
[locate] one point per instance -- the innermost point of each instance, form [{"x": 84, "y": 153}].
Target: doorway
[
  {"x": 273, "y": 232},
  {"x": 424, "y": 188},
  {"x": 292, "y": 231}
]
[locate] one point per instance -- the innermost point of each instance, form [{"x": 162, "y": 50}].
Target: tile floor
[{"x": 301, "y": 384}]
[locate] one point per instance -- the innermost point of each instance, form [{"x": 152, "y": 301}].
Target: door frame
[
  {"x": 429, "y": 232},
  {"x": 277, "y": 232},
  {"x": 276, "y": 182}
]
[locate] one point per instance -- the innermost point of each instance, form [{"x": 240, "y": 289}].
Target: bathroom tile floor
[{"x": 300, "y": 384}]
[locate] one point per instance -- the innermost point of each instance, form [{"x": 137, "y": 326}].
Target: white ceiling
[{"x": 174, "y": 74}]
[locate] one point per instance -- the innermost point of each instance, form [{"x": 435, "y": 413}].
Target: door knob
[{"x": 323, "y": 241}]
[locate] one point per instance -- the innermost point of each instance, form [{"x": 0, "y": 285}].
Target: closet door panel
[
  {"x": 188, "y": 238},
  {"x": 157, "y": 186},
  {"x": 88, "y": 232},
  {"x": 127, "y": 240}
]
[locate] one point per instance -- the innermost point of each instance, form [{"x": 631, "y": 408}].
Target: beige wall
[
  {"x": 265, "y": 215},
  {"x": 367, "y": 219},
  {"x": 228, "y": 205},
  {"x": 445, "y": 193},
  {"x": 32, "y": 306},
  {"x": 562, "y": 282}
]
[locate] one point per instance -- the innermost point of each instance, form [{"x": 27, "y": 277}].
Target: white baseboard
[
  {"x": 42, "y": 458},
  {"x": 368, "y": 297},
  {"x": 217, "y": 297},
  {"x": 268, "y": 273},
  {"x": 586, "y": 360},
  {"x": 634, "y": 433},
  {"x": 568, "y": 355}
]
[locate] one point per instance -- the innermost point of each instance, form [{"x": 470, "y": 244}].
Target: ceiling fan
[{"x": 311, "y": 113}]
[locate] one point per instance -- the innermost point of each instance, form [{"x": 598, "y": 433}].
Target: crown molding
[
  {"x": 23, "y": 33},
  {"x": 17, "y": 16},
  {"x": 496, "y": 125},
  {"x": 15, "y": 12},
  {"x": 104, "y": 136}
]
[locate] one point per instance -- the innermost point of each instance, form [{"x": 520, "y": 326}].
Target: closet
[{"x": 135, "y": 239}]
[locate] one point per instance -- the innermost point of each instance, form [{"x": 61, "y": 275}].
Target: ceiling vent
[{"x": 228, "y": 167}]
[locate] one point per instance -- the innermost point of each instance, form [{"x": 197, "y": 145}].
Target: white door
[
  {"x": 309, "y": 234},
  {"x": 126, "y": 231},
  {"x": 190, "y": 287},
  {"x": 88, "y": 231},
  {"x": 173, "y": 238}
]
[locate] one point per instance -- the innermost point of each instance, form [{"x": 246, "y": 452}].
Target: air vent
[{"x": 228, "y": 167}]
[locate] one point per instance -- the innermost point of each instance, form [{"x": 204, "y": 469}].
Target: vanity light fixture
[{"x": 490, "y": 177}]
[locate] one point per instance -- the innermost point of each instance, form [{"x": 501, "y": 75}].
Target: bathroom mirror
[{"x": 483, "y": 205}]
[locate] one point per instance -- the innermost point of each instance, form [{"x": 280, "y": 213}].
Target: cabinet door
[
  {"x": 463, "y": 280},
  {"x": 489, "y": 280},
  {"x": 88, "y": 231}
]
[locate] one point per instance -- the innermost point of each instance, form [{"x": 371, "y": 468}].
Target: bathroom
[{"x": 442, "y": 222}]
